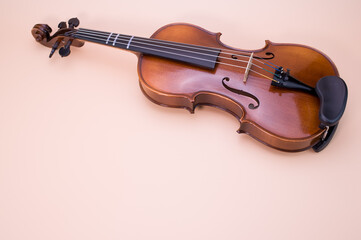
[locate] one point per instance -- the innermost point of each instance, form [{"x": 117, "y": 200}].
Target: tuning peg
[
  {"x": 73, "y": 22},
  {"x": 53, "y": 49},
  {"x": 65, "y": 51},
  {"x": 62, "y": 25}
]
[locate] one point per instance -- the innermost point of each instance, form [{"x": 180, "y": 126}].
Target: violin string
[
  {"x": 72, "y": 34},
  {"x": 210, "y": 49},
  {"x": 120, "y": 38},
  {"x": 224, "y": 51},
  {"x": 232, "y": 65}
]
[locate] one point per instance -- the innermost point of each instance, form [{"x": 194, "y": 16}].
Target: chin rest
[{"x": 332, "y": 92}]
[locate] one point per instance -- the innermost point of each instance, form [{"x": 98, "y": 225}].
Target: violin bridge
[{"x": 248, "y": 68}]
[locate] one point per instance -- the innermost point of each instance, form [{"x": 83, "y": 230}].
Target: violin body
[
  {"x": 184, "y": 66},
  {"x": 286, "y": 120}
]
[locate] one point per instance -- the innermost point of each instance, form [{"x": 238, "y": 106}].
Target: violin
[{"x": 288, "y": 96}]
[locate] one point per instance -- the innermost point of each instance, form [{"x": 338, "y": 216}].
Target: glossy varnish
[
  {"x": 285, "y": 119},
  {"x": 171, "y": 75}
]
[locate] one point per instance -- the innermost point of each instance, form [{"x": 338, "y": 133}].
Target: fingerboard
[{"x": 201, "y": 56}]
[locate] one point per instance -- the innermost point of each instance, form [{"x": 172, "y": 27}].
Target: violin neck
[{"x": 200, "y": 56}]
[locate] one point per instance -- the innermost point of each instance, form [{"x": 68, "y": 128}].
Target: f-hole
[{"x": 241, "y": 92}]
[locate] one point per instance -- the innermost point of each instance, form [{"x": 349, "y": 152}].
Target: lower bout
[{"x": 230, "y": 106}]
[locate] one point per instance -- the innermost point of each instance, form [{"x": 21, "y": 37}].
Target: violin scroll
[
  {"x": 41, "y": 32},
  {"x": 61, "y": 39}
]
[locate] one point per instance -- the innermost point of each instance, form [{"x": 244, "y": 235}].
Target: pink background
[{"x": 84, "y": 155}]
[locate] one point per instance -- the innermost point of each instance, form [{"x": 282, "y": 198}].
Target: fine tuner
[{"x": 287, "y": 96}]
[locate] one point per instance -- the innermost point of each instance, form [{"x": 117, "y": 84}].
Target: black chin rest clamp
[{"x": 332, "y": 92}]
